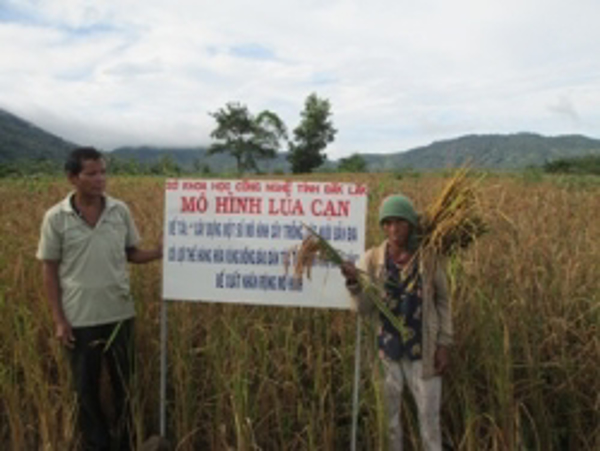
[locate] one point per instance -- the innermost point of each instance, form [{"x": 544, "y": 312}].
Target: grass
[{"x": 525, "y": 366}]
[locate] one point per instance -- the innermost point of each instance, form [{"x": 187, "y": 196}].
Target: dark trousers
[{"x": 113, "y": 344}]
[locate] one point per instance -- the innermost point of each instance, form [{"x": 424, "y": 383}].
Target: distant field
[{"x": 525, "y": 371}]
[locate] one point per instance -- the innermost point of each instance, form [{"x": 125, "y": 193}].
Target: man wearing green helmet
[{"x": 416, "y": 293}]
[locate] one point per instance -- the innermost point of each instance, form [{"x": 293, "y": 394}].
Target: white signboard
[{"x": 227, "y": 240}]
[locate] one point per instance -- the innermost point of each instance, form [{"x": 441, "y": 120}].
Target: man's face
[
  {"x": 397, "y": 231},
  {"x": 91, "y": 181}
]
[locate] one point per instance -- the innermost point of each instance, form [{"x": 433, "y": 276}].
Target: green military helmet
[{"x": 398, "y": 206}]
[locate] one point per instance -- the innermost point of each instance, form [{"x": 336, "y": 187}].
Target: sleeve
[
  {"x": 132, "y": 238},
  {"x": 442, "y": 302},
  {"x": 50, "y": 244},
  {"x": 360, "y": 299}
]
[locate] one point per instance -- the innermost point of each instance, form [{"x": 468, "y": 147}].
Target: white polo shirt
[{"x": 93, "y": 271}]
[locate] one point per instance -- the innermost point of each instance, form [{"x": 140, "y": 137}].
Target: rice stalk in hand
[{"x": 314, "y": 247}]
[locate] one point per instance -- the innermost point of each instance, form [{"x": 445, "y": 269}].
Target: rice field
[{"x": 525, "y": 371}]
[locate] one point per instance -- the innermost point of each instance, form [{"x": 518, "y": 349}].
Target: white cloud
[{"x": 398, "y": 73}]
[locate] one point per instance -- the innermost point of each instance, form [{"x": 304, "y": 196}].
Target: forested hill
[
  {"x": 514, "y": 151},
  {"x": 22, "y": 140}
]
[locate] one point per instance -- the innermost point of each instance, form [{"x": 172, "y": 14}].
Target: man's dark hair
[{"x": 74, "y": 163}]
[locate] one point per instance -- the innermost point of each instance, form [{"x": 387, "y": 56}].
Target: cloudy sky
[{"x": 398, "y": 73}]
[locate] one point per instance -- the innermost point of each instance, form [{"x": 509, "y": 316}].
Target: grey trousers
[{"x": 427, "y": 394}]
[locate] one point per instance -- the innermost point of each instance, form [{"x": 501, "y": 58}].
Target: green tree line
[
  {"x": 589, "y": 164},
  {"x": 165, "y": 166}
]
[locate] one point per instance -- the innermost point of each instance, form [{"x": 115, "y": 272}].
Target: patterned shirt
[{"x": 403, "y": 287}]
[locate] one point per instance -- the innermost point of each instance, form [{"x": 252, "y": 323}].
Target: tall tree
[
  {"x": 245, "y": 137},
  {"x": 312, "y": 136}
]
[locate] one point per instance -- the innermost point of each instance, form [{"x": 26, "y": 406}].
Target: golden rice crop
[{"x": 524, "y": 371}]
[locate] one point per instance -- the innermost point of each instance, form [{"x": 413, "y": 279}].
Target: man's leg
[
  {"x": 428, "y": 397},
  {"x": 120, "y": 360},
  {"x": 86, "y": 363},
  {"x": 392, "y": 387}
]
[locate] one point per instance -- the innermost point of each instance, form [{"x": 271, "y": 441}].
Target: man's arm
[
  {"x": 136, "y": 255},
  {"x": 52, "y": 287},
  {"x": 132, "y": 239}
]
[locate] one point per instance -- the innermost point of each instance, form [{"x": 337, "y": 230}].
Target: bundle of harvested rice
[
  {"x": 450, "y": 223},
  {"x": 453, "y": 221},
  {"x": 315, "y": 247}
]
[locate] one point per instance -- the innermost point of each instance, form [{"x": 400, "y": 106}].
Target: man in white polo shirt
[{"x": 85, "y": 244}]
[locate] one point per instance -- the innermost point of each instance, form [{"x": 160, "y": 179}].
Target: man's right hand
[{"x": 64, "y": 333}]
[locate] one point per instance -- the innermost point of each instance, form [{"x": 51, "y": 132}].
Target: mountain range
[{"x": 21, "y": 140}]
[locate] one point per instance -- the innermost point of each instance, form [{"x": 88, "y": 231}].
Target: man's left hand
[{"x": 442, "y": 359}]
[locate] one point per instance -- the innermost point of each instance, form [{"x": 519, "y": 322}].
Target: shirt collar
[{"x": 66, "y": 206}]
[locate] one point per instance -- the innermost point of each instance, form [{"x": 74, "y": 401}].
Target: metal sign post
[
  {"x": 163, "y": 369},
  {"x": 356, "y": 385}
]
